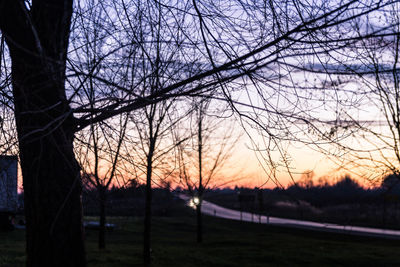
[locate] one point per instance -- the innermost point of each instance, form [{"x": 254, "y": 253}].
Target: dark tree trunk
[
  {"x": 199, "y": 224},
  {"x": 147, "y": 226},
  {"x": 147, "y": 209},
  {"x": 38, "y": 41},
  {"x": 51, "y": 175},
  {"x": 102, "y": 226},
  {"x": 200, "y": 190},
  {"x": 52, "y": 200}
]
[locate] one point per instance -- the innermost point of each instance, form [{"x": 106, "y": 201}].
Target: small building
[{"x": 8, "y": 189}]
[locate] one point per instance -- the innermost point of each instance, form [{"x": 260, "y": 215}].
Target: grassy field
[{"x": 227, "y": 243}]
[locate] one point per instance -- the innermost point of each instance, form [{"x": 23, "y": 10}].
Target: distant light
[
  {"x": 193, "y": 202},
  {"x": 196, "y": 201}
]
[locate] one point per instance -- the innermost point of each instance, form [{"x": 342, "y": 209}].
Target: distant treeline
[
  {"x": 129, "y": 201},
  {"x": 345, "y": 191},
  {"x": 344, "y": 202}
]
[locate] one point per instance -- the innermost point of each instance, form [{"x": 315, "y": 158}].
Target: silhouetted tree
[
  {"x": 364, "y": 88},
  {"x": 391, "y": 183},
  {"x": 98, "y": 152},
  {"x": 203, "y": 157},
  {"x": 37, "y": 35},
  {"x": 153, "y": 130},
  {"x": 306, "y": 179}
]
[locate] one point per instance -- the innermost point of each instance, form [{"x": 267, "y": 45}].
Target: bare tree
[
  {"x": 202, "y": 159},
  {"x": 98, "y": 151},
  {"x": 37, "y": 39},
  {"x": 362, "y": 85},
  {"x": 377, "y": 126},
  {"x": 154, "y": 130}
]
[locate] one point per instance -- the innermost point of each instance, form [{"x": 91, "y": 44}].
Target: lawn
[{"x": 226, "y": 243}]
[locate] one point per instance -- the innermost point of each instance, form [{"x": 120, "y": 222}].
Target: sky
[
  {"x": 303, "y": 159},
  {"x": 270, "y": 97}
]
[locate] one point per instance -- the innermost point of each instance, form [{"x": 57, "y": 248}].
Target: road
[{"x": 211, "y": 209}]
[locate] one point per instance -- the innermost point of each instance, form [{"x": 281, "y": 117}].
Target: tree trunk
[
  {"x": 200, "y": 190},
  {"x": 147, "y": 209},
  {"x": 51, "y": 175},
  {"x": 37, "y": 40},
  {"x": 147, "y": 226},
  {"x": 199, "y": 224},
  {"x": 102, "y": 226}
]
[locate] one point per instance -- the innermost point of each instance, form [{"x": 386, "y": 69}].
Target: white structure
[{"x": 8, "y": 184}]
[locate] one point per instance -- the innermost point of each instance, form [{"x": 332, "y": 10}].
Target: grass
[{"x": 226, "y": 243}]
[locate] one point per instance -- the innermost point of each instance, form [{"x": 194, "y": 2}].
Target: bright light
[{"x": 196, "y": 201}]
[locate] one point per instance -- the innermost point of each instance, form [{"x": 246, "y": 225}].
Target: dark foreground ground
[{"x": 227, "y": 243}]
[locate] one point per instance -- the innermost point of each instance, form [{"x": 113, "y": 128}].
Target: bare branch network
[{"x": 93, "y": 73}]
